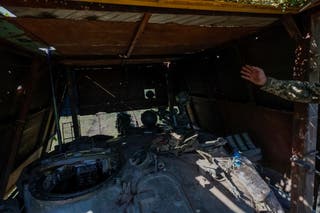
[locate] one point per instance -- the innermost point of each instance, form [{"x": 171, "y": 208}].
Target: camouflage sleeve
[{"x": 297, "y": 91}]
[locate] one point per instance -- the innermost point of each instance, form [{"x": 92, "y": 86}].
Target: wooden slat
[
  {"x": 17, "y": 132},
  {"x": 14, "y": 176},
  {"x": 305, "y": 123}
]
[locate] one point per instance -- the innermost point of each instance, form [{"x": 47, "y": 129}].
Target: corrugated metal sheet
[
  {"x": 208, "y": 21},
  {"x": 182, "y": 19},
  {"x": 76, "y": 14}
]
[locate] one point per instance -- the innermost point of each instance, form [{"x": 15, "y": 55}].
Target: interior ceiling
[
  {"x": 156, "y": 18},
  {"x": 81, "y": 33},
  {"x": 72, "y": 38}
]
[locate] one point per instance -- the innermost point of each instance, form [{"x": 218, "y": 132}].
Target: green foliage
[{"x": 275, "y": 3}]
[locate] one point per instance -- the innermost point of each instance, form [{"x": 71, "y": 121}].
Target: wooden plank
[
  {"x": 199, "y": 5},
  {"x": 291, "y": 27},
  {"x": 138, "y": 33},
  {"x": 17, "y": 132},
  {"x": 305, "y": 123},
  {"x": 14, "y": 176},
  {"x": 47, "y": 130},
  {"x": 111, "y": 38},
  {"x": 315, "y": 30},
  {"x": 77, "y": 5}
]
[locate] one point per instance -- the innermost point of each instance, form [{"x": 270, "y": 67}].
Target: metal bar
[
  {"x": 73, "y": 105},
  {"x": 47, "y": 131},
  {"x": 97, "y": 62},
  {"x": 54, "y": 101},
  {"x": 171, "y": 96},
  {"x": 101, "y": 87},
  {"x": 138, "y": 33},
  {"x": 19, "y": 126}
]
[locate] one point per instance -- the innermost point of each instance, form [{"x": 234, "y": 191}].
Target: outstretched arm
[{"x": 297, "y": 91}]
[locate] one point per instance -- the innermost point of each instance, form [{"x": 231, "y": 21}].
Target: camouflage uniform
[{"x": 297, "y": 91}]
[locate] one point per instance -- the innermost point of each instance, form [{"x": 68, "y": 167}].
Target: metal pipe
[
  {"x": 171, "y": 97},
  {"x": 54, "y": 101},
  {"x": 73, "y": 106}
]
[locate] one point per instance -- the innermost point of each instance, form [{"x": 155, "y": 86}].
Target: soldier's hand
[{"x": 253, "y": 74}]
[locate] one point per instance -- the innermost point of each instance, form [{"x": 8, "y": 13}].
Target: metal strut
[{"x": 54, "y": 101}]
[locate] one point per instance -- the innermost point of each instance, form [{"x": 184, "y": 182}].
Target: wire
[{"x": 115, "y": 97}]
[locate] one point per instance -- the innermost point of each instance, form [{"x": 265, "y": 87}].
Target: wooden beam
[
  {"x": 291, "y": 27},
  {"x": 138, "y": 33},
  {"x": 78, "y": 5},
  {"x": 305, "y": 122},
  {"x": 315, "y": 30},
  {"x": 17, "y": 132},
  {"x": 102, "y": 62},
  {"x": 312, "y": 4},
  {"x": 199, "y": 5}
]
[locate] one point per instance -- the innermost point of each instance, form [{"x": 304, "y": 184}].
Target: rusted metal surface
[{"x": 19, "y": 126}]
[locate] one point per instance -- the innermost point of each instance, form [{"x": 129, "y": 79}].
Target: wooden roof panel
[
  {"x": 81, "y": 37},
  {"x": 160, "y": 39},
  {"x": 85, "y": 37}
]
